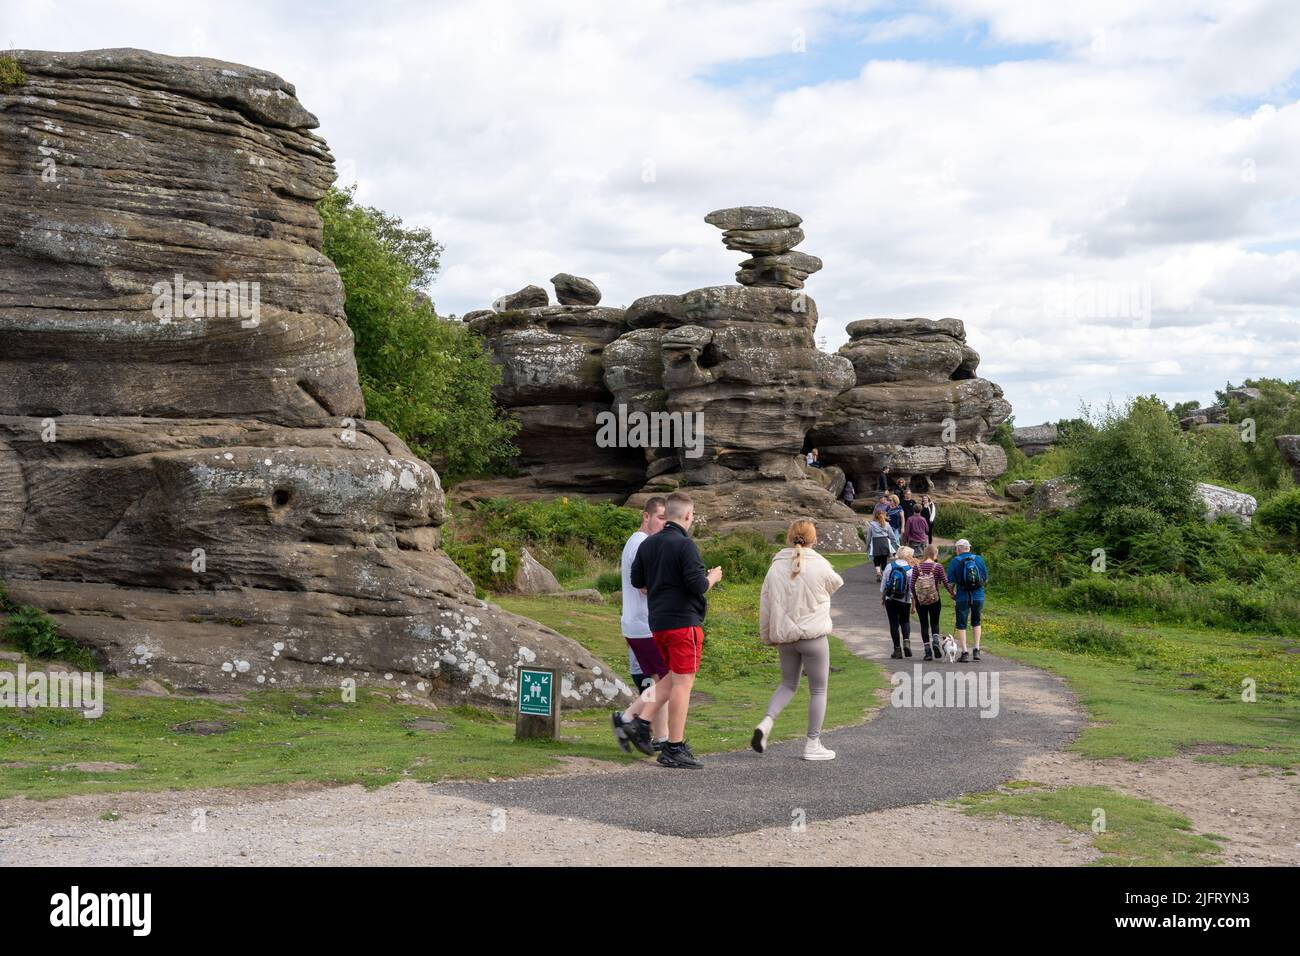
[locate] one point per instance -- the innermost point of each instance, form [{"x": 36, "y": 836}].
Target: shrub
[
  {"x": 488, "y": 567},
  {"x": 11, "y": 74},
  {"x": 35, "y": 632},
  {"x": 1136, "y": 464},
  {"x": 743, "y": 556},
  {"x": 952, "y": 519},
  {"x": 611, "y": 582},
  {"x": 1282, "y": 513}
]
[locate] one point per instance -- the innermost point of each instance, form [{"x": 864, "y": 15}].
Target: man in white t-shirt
[{"x": 631, "y": 726}]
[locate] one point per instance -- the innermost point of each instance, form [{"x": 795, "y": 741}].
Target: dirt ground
[{"x": 411, "y": 824}]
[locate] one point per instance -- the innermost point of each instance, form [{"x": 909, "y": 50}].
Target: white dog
[{"x": 948, "y": 649}]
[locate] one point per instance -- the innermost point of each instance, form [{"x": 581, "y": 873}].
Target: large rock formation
[
  {"x": 186, "y": 481},
  {"x": 917, "y": 406},
  {"x": 552, "y": 380},
  {"x": 738, "y": 364}
]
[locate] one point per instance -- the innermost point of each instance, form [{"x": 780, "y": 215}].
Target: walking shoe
[
  {"x": 679, "y": 757},
  {"x": 813, "y": 750},
  {"x": 660, "y": 744},
  {"x": 928, "y": 655},
  {"x": 620, "y": 734},
  {"x": 638, "y": 732},
  {"x": 907, "y": 648},
  {"x": 761, "y": 732},
  {"x": 897, "y": 653},
  {"x": 977, "y": 653},
  {"x": 964, "y": 658}
]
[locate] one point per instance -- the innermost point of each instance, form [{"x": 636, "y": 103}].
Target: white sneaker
[
  {"x": 759, "y": 740},
  {"x": 813, "y": 750}
]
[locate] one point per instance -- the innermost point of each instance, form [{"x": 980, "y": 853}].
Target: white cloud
[{"x": 584, "y": 137}]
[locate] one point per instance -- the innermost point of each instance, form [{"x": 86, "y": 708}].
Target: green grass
[
  {"x": 282, "y": 737},
  {"x": 1156, "y": 690},
  {"x": 1137, "y": 832}
]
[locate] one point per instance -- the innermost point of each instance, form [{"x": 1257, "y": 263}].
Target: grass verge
[
  {"x": 1128, "y": 831},
  {"x": 270, "y": 737}
]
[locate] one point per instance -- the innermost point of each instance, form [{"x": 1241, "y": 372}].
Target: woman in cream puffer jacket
[{"x": 795, "y": 615}]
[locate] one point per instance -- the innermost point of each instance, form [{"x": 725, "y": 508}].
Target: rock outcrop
[
  {"x": 1289, "y": 446},
  {"x": 769, "y": 235},
  {"x": 1224, "y": 501},
  {"x": 1036, "y": 439},
  {"x": 186, "y": 479},
  {"x": 917, "y": 406},
  {"x": 552, "y": 380},
  {"x": 738, "y": 366},
  {"x": 735, "y": 390},
  {"x": 1213, "y": 416}
]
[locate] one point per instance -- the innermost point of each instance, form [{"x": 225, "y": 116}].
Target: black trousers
[
  {"x": 900, "y": 621},
  {"x": 929, "y": 615}
]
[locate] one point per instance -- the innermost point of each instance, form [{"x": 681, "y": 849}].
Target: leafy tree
[
  {"x": 1134, "y": 469},
  {"x": 428, "y": 379}
]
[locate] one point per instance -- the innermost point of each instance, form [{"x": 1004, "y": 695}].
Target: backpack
[
  {"x": 896, "y": 583},
  {"x": 971, "y": 577},
  {"x": 927, "y": 589}
]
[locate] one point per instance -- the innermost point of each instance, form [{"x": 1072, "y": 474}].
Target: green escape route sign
[{"x": 535, "y": 692}]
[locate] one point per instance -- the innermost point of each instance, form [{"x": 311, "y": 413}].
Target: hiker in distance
[
  {"x": 644, "y": 724},
  {"x": 794, "y": 613},
  {"x": 669, "y": 567},
  {"x": 969, "y": 574},
  {"x": 882, "y": 542}
]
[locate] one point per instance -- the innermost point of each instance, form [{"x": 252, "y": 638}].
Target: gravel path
[{"x": 902, "y": 757}]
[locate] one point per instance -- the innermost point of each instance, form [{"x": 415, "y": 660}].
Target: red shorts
[{"x": 681, "y": 648}]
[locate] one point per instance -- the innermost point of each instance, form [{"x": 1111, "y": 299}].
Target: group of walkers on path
[{"x": 665, "y": 587}]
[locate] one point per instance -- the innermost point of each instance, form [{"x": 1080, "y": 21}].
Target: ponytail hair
[{"x": 802, "y": 534}]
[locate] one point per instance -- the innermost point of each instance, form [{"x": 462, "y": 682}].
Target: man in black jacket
[{"x": 668, "y": 567}]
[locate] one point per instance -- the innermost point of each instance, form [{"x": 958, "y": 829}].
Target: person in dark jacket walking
[
  {"x": 882, "y": 483},
  {"x": 669, "y": 568}
]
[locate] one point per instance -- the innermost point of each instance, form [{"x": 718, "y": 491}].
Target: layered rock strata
[{"x": 187, "y": 481}]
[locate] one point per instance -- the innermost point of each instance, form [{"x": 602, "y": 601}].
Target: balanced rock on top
[
  {"x": 575, "y": 290},
  {"x": 768, "y": 235}
]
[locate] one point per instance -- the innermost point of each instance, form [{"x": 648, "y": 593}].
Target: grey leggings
[{"x": 814, "y": 658}]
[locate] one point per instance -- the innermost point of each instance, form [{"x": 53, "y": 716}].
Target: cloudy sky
[{"x": 1107, "y": 193}]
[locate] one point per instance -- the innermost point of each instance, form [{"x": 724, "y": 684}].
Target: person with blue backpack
[
  {"x": 896, "y": 595},
  {"x": 968, "y": 574}
]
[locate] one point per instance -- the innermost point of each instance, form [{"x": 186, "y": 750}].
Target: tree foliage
[
  {"x": 1134, "y": 469},
  {"x": 430, "y": 380}
]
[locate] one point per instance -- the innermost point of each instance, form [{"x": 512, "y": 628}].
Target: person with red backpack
[
  {"x": 896, "y": 595},
  {"x": 926, "y": 582}
]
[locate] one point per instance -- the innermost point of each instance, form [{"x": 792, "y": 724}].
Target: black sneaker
[
  {"x": 965, "y": 657},
  {"x": 679, "y": 757},
  {"x": 638, "y": 734},
  {"x": 620, "y": 731},
  {"x": 659, "y": 745},
  {"x": 977, "y": 653}
]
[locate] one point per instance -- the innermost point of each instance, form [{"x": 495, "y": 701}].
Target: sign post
[{"x": 538, "y": 711}]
